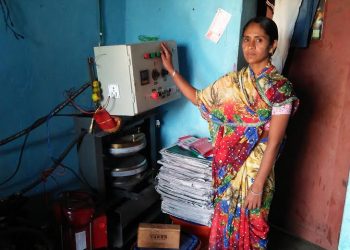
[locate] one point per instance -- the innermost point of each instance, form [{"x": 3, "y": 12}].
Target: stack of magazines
[{"x": 184, "y": 183}]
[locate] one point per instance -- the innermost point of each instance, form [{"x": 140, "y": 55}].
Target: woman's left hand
[{"x": 253, "y": 200}]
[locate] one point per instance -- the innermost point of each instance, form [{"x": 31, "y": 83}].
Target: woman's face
[{"x": 256, "y": 46}]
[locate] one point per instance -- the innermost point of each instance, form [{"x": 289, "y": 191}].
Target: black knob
[
  {"x": 155, "y": 74},
  {"x": 164, "y": 72}
]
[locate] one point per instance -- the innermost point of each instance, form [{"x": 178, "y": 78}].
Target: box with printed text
[{"x": 158, "y": 236}]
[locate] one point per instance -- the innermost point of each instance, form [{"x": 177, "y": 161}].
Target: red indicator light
[{"x": 155, "y": 95}]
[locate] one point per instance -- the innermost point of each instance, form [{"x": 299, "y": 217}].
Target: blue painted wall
[
  {"x": 344, "y": 242},
  {"x": 36, "y": 71},
  {"x": 113, "y": 21},
  {"x": 52, "y": 58},
  {"x": 201, "y": 61},
  {"x": 60, "y": 35}
]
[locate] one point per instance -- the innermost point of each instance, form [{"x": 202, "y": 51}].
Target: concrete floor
[{"x": 280, "y": 240}]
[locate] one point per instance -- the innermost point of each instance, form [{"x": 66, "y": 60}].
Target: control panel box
[{"x": 133, "y": 79}]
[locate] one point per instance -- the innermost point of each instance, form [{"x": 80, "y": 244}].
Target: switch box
[
  {"x": 113, "y": 91},
  {"x": 130, "y": 74}
]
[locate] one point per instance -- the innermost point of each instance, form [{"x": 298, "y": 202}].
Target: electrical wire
[
  {"x": 43, "y": 119},
  {"x": 53, "y": 167},
  {"x": 36, "y": 124},
  {"x": 55, "y": 180},
  {"x": 100, "y": 33},
  {"x": 76, "y": 106},
  {"x": 8, "y": 21},
  {"x": 82, "y": 179},
  {"x": 49, "y": 147},
  {"x": 18, "y": 163},
  {"x": 69, "y": 115}
]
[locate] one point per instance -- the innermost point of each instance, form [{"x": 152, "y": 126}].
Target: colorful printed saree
[{"x": 237, "y": 106}]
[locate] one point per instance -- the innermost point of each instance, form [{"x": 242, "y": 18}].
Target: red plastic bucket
[{"x": 106, "y": 122}]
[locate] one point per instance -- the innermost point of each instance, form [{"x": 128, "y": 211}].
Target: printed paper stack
[{"x": 184, "y": 183}]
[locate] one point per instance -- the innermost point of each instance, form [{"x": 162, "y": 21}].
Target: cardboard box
[{"x": 158, "y": 236}]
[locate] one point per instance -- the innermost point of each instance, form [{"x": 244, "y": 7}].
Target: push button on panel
[
  {"x": 155, "y": 95},
  {"x": 152, "y": 55}
]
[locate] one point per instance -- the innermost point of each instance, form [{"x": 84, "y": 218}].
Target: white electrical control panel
[{"x": 133, "y": 79}]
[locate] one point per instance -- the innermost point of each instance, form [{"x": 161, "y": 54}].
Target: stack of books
[{"x": 184, "y": 182}]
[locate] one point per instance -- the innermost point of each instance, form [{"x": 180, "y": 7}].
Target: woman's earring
[{"x": 270, "y": 58}]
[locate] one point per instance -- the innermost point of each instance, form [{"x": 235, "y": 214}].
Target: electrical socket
[{"x": 113, "y": 91}]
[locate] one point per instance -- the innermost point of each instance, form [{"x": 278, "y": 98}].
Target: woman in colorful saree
[{"x": 248, "y": 112}]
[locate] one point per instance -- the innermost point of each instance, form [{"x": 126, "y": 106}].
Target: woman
[{"x": 248, "y": 112}]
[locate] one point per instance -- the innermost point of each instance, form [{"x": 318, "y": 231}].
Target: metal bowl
[{"x": 128, "y": 145}]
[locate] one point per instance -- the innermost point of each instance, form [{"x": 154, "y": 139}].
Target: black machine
[{"x": 121, "y": 167}]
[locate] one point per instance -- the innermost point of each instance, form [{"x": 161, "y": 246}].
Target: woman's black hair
[{"x": 267, "y": 24}]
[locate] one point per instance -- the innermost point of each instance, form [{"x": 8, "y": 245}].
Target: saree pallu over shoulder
[
  {"x": 236, "y": 107},
  {"x": 275, "y": 89}
]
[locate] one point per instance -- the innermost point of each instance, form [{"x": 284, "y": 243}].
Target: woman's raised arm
[{"x": 185, "y": 87}]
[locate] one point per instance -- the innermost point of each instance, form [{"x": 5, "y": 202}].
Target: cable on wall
[
  {"x": 8, "y": 21},
  {"x": 100, "y": 12},
  {"x": 43, "y": 119},
  {"x": 18, "y": 163},
  {"x": 34, "y": 125},
  {"x": 55, "y": 164}
]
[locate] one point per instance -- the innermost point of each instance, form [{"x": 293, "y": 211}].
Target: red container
[
  {"x": 201, "y": 231},
  {"x": 105, "y": 121},
  {"x": 99, "y": 228},
  {"x": 75, "y": 213}
]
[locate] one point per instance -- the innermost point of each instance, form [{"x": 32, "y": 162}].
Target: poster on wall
[
  {"x": 218, "y": 25},
  {"x": 317, "y": 25}
]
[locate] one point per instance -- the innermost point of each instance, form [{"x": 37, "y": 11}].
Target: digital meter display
[{"x": 144, "y": 74}]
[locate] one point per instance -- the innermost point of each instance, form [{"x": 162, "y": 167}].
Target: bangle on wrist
[
  {"x": 254, "y": 193},
  {"x": 174, "y": 73}
]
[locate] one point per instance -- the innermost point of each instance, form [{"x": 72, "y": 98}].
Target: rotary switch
[{"x": 155, "y": 75}]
